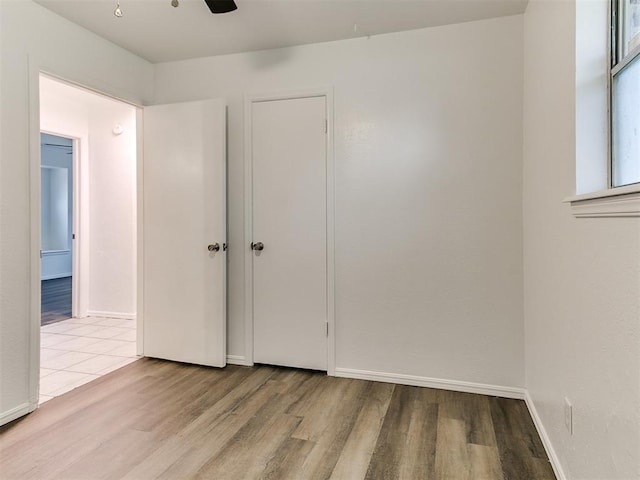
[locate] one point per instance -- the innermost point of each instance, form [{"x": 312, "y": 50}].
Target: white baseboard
[
  {"x": 238, "y": 360},
  {"x": 546, "y": 441},
  {"x": 455, "y": 385},
  {"x": 56, "y": 275},
  {"x": 124, "y": 316},
  {"x": 17, "y": 412}
]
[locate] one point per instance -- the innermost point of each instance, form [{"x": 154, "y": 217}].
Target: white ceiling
[{"x": 156, "y": 31}]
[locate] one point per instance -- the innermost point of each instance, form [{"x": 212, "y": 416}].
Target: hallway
[{"x": 78, "y": 350}]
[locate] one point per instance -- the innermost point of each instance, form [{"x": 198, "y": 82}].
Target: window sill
[{"x": 614, "y": 202}]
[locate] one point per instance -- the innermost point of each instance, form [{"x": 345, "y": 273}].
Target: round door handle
[
  {"x": 258, "y": 246},
  {"x": 214, "y": 248}
]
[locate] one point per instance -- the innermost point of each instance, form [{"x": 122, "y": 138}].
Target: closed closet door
[{"x": 289, "y": 224}]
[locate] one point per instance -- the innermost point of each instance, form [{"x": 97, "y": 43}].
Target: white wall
[
  {"x": 428, "y": 146},
  {"x": 582, "y": 276},
  {"x": 32, "y": 37},
  {"x": 112, "y": 210}
]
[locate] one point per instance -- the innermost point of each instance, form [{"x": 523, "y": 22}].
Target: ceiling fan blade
[{"x": 221, "y": 6}]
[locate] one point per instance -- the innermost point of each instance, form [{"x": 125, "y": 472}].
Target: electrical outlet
[{"x": 568, "y": 415}]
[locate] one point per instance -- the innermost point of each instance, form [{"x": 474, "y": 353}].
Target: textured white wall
[
  {"x": 112, "y": 209},
  {"x": 582, "y": 276},
  {"x": 32, "y": 37},
  {"x": 428, "y": 147}
]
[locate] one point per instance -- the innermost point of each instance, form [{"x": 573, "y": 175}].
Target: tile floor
[{"x": 76, "y": 351}]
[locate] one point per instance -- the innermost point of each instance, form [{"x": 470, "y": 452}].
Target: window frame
[
  {"x": 595, "y": 196},
  {"x": 617, "y": 62}
]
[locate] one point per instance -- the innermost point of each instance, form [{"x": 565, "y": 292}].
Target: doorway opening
[
  {"x": 88, "y": 193},
  {"x": 56, "y": 182}
]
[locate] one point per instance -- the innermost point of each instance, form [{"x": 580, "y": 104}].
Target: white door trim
[
  {"x": 79, "y": 251},
  {"x": 326, "y": 92},
  {"x": 38, "y": 67},
  {"x": 139, "y": 218}
]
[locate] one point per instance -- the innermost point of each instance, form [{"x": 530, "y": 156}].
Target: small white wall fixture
[{"x": 326, "y": 92}]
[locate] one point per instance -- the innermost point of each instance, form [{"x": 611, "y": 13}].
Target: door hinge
[
  {"x": 326, "y": 125},
  {"x": 326, "y": 329}
]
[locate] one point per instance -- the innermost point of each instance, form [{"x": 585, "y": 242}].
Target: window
[
  {"x": 607, "y": 98},
  {"x": 625, "y": 92}
]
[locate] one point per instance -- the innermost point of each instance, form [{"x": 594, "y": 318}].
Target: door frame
[
  {"x": 249, "y": 100},
  {"x": 80, "y": 208},
  {"x": 38, "y": 67}
]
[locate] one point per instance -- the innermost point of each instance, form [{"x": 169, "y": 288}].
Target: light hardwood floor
[
  {"x": 55, "y": 300},
  {"x": 158, "y": 419}
]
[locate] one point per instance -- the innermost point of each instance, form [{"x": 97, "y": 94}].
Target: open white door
[{"x": 185, "y": 232}]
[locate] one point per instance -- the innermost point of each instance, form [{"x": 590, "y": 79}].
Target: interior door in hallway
[
  {"x": 289, "y": 184},
  {"x": 185, "y": 232}
]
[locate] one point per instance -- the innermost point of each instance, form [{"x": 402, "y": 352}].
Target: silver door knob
[
  {"x": 259, "y": 246},
  {"x": 214, "y": 248}
]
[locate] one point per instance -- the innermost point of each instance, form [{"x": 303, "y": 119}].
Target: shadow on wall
[{"x": 264, "y": 60}]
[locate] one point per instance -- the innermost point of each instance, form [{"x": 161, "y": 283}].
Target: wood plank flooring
[
  {"x": 162, "y": 420},
  {"x": 56, "y": 300}
]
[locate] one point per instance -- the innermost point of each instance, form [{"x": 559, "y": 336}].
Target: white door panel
[
  {"x": 184, "y": 212},
  {"x": 289, "y": 218}
]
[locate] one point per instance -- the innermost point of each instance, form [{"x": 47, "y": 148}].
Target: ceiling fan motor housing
[{"x": 221, "y": 6}]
